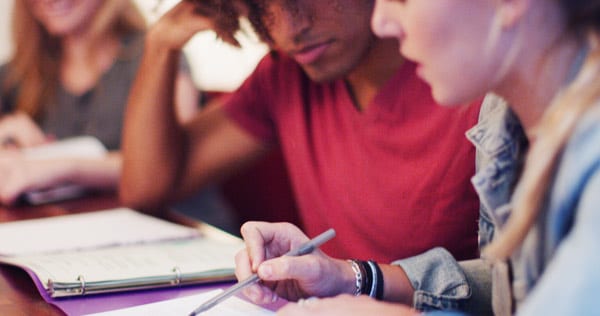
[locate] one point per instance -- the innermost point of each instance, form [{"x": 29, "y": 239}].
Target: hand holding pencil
[
  {"x": 289, "y": 277},
  {"x": 301, "y": 250}
]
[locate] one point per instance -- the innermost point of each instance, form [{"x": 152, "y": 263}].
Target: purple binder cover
[{"x": 81, "y": 305}]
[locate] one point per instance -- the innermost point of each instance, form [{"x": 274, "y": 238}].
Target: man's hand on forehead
[{"x": 226, "y": 14}]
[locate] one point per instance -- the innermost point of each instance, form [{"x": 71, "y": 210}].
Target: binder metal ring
[
  {"x": 82, "y": 282},
  {"x": 177, "y": 276}
]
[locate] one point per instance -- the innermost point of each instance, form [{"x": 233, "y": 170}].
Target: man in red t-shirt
[{"x": 368, "y": 151}]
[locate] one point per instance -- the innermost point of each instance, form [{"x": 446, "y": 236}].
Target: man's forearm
[{"x": 153, "y": 139}]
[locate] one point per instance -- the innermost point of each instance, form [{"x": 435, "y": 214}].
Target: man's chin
[{"x": 321, "y": 76}]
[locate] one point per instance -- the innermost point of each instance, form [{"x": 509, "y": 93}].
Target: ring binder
[
  {"x": 82, "y": 282},
  {"x": 177, "y": 276},
  {"x": 83, "y": 287},
  {"x": 114, "y": 266}
]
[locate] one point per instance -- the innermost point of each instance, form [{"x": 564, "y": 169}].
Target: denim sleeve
[
  {"x": 571, "y": 282},
  {"x": 438, "y": 280},
  {"x": 442, "y": 283}
]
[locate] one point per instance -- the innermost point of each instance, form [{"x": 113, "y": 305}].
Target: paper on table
[
  {"x": 183, "y": 306},
  {"x": 78, "y": 147},
  {"x": 120, "y": 226}
]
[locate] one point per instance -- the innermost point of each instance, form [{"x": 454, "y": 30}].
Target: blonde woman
[
  {"x": 539, "y": 175},
  {"x": 70, "y": 75}
]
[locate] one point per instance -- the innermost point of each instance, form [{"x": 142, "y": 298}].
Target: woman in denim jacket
[{"x": 538, "y": 176}]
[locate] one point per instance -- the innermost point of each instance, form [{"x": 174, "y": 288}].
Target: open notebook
[
  {"x": 114, "y": 250},
  {"x": 77, "y": 147}
]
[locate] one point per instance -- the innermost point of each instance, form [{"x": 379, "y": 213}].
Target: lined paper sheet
[
  {"x": 100, "y": 229},
  {"x": 183, "y": 306}
]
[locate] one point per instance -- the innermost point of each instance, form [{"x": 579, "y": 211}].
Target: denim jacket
[
  {"x": 439, "y": 281},
  {"x": 558, "y": 255}
]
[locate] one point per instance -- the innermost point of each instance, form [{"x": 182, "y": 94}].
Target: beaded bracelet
[{"x": 358, "y": 274}]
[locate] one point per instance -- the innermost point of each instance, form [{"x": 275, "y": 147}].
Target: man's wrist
[
  {"x": 157, "y": 41},
  {"x": 160, "y": 54}
]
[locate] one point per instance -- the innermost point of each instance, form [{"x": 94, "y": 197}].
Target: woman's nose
[{"x": 382, "y": 24}]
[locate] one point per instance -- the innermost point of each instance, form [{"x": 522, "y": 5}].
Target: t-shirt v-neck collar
[{"x": 380, "y": 104}]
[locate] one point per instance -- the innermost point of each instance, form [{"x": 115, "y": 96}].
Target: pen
[{"x": 305, "y": 248}]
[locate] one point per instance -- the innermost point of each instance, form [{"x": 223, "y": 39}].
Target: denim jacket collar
[{"x": 501, "y": 144}]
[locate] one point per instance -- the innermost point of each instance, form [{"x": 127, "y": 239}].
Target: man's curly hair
[{"x": 226, "y": 14}]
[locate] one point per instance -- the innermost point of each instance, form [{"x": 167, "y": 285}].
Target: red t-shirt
[{"x": 394, "y": 180}]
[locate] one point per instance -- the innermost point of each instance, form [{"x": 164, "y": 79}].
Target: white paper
[
  {"x": 76, "y": 147},
  {"x": 184, "y": 306},
  {"x": 114, "y": 227}
]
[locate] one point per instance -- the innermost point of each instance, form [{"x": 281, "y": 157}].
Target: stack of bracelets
[{"x": 369, "y": 278}]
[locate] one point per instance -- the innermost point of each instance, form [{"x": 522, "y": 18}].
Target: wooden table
[
  {"x": 18, "y": 294},
  {"x": 91, "y": 203}
]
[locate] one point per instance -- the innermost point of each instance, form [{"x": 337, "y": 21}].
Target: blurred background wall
[{"x": 5, "y": 47}]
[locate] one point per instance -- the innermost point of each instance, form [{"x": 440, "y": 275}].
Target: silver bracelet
[{"x": 358, "y": 277}]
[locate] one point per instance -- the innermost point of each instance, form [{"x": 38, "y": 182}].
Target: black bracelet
[
  {"x": 368, "y": 277},
  {"x": 377, "y": 285}
]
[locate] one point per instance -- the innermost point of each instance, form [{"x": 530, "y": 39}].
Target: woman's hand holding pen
[{"x": 292, "y": 278}]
